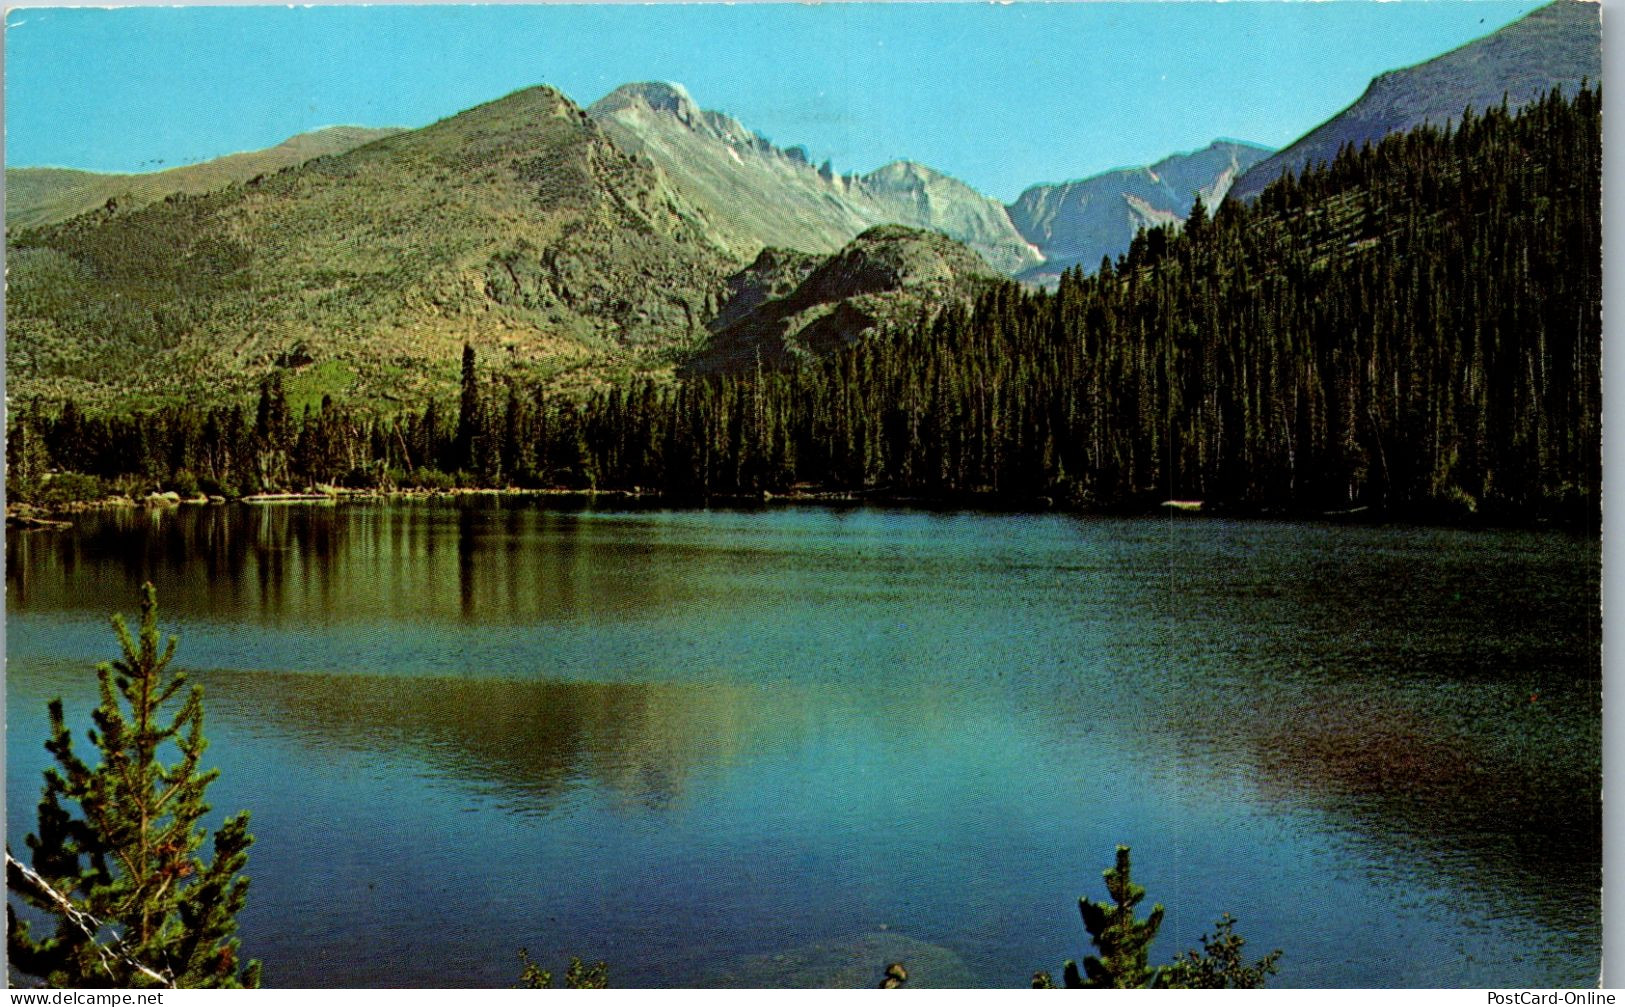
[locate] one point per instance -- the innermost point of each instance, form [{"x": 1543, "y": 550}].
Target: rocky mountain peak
[
  {"x": 1077, "y": 223},
  {"x": 660, "y": 96},
  {"x": 642, "y": 107},
  {"x": 903, "y": 174},
  {"x": 758, "y": 194}
]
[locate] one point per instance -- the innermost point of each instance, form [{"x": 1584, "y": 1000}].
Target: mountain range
[
  {"x": 516, "y": 226},
  {"x": 575, "y": 246},
  {"x": 1079, "y": 223},
  {"x": 761, "y": 196},
  {"x": 764, "y": 196},
  {"x": 756, "y": 195}
]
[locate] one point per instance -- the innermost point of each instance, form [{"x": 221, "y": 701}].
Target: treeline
[{"x": 1414, "y": 327}]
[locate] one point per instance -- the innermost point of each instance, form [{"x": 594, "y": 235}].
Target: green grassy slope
[
  {"x": 39, "y": 196},
  {"x": 516, "y": 226}
]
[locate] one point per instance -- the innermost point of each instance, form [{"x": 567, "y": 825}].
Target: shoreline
[{"x": 34, "y": 517}]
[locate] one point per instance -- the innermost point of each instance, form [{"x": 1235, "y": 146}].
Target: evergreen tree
[
  {"x": 26, "y": 457},
  {"x": 1124, "y": 945},
  {"x": 1219, "y": 964},
  {"x": 468, "y": 414},
  {"x": 144, "y": 902},
  {"x": 1122, "y": 940},
  {"x": 271, "y": 435}
]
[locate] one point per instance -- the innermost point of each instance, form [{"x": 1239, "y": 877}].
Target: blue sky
[{"x": 1002, "y": 96}]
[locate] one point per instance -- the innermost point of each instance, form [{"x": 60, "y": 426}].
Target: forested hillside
[{"x": 1415, "y": 327}]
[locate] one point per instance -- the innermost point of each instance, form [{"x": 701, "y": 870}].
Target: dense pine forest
[{"x": 1414, "y": 328}]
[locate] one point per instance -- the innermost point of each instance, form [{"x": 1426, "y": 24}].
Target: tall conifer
[{"x": 122, "y": 840}]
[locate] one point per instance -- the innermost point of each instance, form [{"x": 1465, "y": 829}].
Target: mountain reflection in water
[{"x": 529, "y": 743}]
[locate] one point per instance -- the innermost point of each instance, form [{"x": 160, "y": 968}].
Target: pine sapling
[{"x": 121, "y": 842}]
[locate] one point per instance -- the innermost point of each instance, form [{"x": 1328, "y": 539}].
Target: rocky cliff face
[
  {"x": 921, "y": 197},
  {"x": 759, "y": 195},
  {"x": 1558, "y": 45},
  {"x": 889, "y": 274},
  {"x": 1079, "y": 223},
  {"x": 774, "y": 274}
]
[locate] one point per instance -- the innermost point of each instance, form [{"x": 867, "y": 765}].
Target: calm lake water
[{"x": 789, "y": 745}]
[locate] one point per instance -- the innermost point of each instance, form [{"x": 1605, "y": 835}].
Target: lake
[{"x": 787, "y": 745}]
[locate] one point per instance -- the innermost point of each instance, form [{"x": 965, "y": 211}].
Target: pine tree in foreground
[
  {"x": 117, "y": 858},
  {"x": 1123, "y": 942},
  {"x": 1219, "y": 964}
]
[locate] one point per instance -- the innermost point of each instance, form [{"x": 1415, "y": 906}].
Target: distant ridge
[
  {"x": 1558, "y": 45},
  {"x": 1078, "y": 223},
  {"x": 38, "y": 196}
]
